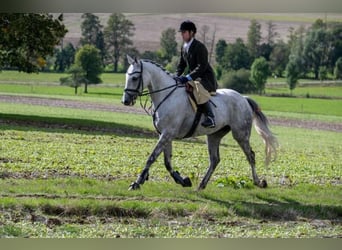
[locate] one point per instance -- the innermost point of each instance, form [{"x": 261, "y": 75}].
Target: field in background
[{"x": 229, "y": 26}]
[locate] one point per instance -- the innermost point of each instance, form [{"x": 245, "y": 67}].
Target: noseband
[{"x": 139, "y": 90}]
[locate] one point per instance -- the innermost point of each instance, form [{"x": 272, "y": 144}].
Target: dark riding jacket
[{"x": 195, "y": 62}]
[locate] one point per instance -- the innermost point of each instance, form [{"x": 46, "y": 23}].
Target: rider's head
[{"x": 188, "y": 30}]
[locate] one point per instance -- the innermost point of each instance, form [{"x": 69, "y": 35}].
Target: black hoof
[
  {"x": 134, "y": 186},
  {"x": 263, "y": 184},
  {"x": 187, "y": 182}
]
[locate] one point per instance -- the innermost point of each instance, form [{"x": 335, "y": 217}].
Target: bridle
[{"x": 139, "y": 91}]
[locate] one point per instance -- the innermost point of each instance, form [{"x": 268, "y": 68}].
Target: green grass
[
  {"x": 300, "y": 105},
  {"x": 57, "y": 115},
  {"x": 95, "y": 93},
  {"x": 78, "y": 181},
  {"x": 71, "y": 180},
  {"x": 53, "y": 78}
]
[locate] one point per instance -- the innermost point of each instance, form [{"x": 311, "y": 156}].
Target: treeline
[
  {"x": 315, "y": 52},
  {"x": 34, "y": 42}
]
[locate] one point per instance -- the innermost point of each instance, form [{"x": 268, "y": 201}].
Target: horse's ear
[{"x": 130, "y": 59}]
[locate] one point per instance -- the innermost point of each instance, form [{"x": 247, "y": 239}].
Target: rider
[{"x": 194, "y": 58}]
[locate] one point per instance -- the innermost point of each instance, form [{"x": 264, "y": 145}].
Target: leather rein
[{"x": 139, "y": 91}]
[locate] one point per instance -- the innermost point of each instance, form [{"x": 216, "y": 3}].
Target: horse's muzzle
[{"x": 128, "y": 100}]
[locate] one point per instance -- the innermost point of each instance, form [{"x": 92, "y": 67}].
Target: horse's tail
[{"x": 261, "y": 126}]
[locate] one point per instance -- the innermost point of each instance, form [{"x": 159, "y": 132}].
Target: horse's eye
[{"x": 134, "y": 78}]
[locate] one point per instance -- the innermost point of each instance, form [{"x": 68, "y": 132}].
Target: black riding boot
[{"x": 209, "y": 121}]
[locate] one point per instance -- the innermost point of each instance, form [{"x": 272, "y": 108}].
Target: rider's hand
[{"x": 183, "y": 79}]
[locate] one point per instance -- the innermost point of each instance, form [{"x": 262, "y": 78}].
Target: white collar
[{"x": 187, "y": 45}]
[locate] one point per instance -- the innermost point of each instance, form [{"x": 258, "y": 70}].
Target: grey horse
[{"x": 173, "y": 117}]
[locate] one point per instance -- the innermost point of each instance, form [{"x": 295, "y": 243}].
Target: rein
[{"x": 140, "y": 92}]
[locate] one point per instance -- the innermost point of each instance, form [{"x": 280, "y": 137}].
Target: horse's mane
[{"x": 158, "y": 65}]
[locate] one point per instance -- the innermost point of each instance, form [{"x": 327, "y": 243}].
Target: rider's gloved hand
[{"x": 182, "y": 79}]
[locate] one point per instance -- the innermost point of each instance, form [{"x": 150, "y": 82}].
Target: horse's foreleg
[
  {"x": 162, "y": 142},
  {"x": 213, "y": 142},
  {"x": 185, "y": 182}
]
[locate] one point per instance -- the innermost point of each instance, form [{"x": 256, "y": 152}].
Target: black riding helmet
[{"x": 187, "y": 25}]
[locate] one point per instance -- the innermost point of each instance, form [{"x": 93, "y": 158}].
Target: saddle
[{"x": 197, "y": 95}]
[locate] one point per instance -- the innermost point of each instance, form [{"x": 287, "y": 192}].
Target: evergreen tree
[
  {"x": 221, "y": 46},
  {"x": 271, "y": 33},
  {"x": 254, "y": 38},
  {"x": 117, "y": 36},
  {"x": 92, "y": 33},
  {"x": 64, "y": 58},
  {"x": 296, "y": 48}
]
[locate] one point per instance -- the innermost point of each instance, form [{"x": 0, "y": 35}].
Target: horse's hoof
[
  {"x": 263, "y": 184},
  {"x": 134, "y": 186},
  {"x": 187, "y": 182}
]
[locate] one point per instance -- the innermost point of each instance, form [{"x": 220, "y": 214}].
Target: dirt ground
[{"x": 318, "y": 125}]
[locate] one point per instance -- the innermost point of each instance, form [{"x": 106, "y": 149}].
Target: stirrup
[{"x": 206, "y": 123}]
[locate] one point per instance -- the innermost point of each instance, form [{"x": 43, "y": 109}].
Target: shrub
[{"x": 238, "y": 80}]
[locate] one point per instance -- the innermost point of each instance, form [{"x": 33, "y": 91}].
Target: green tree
[
  {"x": 271, "y": 33},
  {"x": 221, "y": 46},
  {"x": 238, "y": 80},
  {"x": 338, "y": 69},
  {"x": 26, "y": 39},
  {"x": 253, "y": 38},
  {"x": 76, "y": 79},
  {"x": 265, "y": 51},
  {"x": 296, "y": 48},
  {"x": 335, "y": 52},
  {"x": 117, "y": 36},
  {"x": 89, "y": 59},
  {"x": 279, "y": 58},
  {"x": 168, "y": 44},
  {"x": 92, "y": 33},
  {"x": 259, "y": 73},
  {"x": 65, "y": 57},
  {"x": 236, "y": 56},
  {"x": 316, "y": 49},
  {"x": 293, "y": 69}
]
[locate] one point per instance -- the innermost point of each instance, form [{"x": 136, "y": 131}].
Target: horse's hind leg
[
  {"x": 243, "y": 141},
  {"x": 185, "y": 182},
  {"x": 213, "y": 142}
]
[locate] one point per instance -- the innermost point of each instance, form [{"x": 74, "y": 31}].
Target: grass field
[
  {"x": 53, "y": 78},
  {"x": 64, "y": 172}
]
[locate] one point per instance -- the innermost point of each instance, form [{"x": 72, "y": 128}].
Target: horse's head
[{"x": 134, "y": 82}]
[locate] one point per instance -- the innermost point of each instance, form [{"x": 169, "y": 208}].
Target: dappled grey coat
[{"x": 197, "y": 65}]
